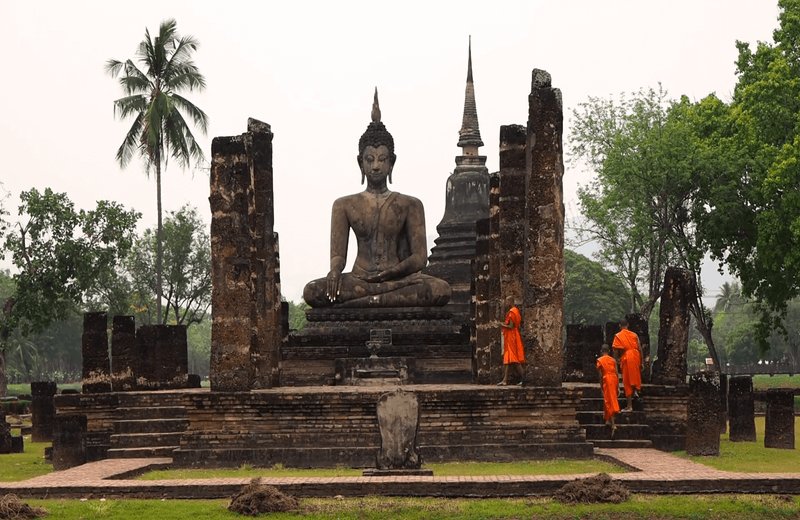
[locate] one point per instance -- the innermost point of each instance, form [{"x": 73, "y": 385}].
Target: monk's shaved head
[
  {"x": 605, "y": 349},
  {"x": 623, "y": 322}
]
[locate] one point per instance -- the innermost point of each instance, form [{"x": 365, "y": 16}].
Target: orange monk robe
[
  {"x": 631, "y": 360},
  {"x": 607, "y": 366},
  {"x": 512, "y": 342}
]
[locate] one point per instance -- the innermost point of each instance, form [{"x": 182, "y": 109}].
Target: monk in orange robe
[
  {"x": 513, "y": 353},
  {"x": 609, "y": 382},
  {"x": 627, "y": 343}
]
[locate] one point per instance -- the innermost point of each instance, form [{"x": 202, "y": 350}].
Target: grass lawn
[
  {"x": 25, "y": 388},
  {"x": 534, "y": 467},
  {"x": 753, "y": 457},
  {"x": 736, "y": 507},
  {"x": 22, "y": 466},
  {"x": 764, "y": 381}
]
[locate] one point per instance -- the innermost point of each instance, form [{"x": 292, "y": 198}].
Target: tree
[
  {"x": 753, "y": 220},
  {"x": 644, "y": 204},
  {"x": 153, "y": 99},
  {"x": 186, "y": 284},
  {"x": 59, "y": 254},
  {"x": 592, "y": 295},
  {"x": 729, "y": 295}
]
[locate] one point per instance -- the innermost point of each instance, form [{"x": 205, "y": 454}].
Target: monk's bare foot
[
  {"x": 627, "y": 410},
  {"x": 501, "y": 383},
  {"x": 613, "y": 431}
]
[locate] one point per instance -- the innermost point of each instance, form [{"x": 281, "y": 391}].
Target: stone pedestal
[
  {"x": 124, "y": 354},
  {"x": 94, "y": 347},
  {"x": 673, "y": 334},
  {"x": 441, "y": 351},
  {"x": 379, "y": 371},
  {"x": 43, "y": 410},
  {"x": 741, "y": 409},
  {"x": 543, "y": 297},
  {"x": 779, "y": 430},
  {"x": 702, "y": 432},
  {"x": 69, "y": 441},
  {"x": 398, "y": 419}
]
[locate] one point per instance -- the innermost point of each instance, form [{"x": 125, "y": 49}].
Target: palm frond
[
  {"x": 130, "y": 144},
  {"x": 124, "y": 107},
  {"x": 185, "y": 76},
  {"x": 199, "y": 117}
]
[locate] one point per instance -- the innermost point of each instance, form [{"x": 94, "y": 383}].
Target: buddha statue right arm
[{"x": 340, "y": 234}]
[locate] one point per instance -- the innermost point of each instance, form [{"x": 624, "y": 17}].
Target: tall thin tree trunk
[{"x": 159, "y": 254}]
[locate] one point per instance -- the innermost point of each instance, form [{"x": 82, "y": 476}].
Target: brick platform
[{"x": 651, "y": 471}]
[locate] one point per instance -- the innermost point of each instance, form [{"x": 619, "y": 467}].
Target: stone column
[
  {"x": 673, "y": 334},
  {"x": 43, "y": 410},
  {"x": 779, "y": 430},
  {"x": 124, "y": 354},
  {"x": 741, "y": 408},
  {"x": 572, "y": 367},
  {"x": 511, "y": 225},
  {"x": 5, "y": 434},
  {"x": 69, "y": 441},
  {"x": 591, "y": 341},
  {"x": 173, "y": 357},
  {"x": 265, "y": 310},
  {"x": 723, "y": 403},
  {"x": 231, "y": 367},
  {"x": 94, "y": 346},
  {"x": 483, "y": 329},
  {"x": 543, "y": 300},
  {"x": 493, "y": 287},
  {"x": 702, "y": 430},
  {"x": 637, "y": 323}
]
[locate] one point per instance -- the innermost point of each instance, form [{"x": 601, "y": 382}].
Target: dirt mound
[
  {"x": 256, "y": 498},
  {"x": 598, "y": 489},
  {"x": 12, "y": 508}
]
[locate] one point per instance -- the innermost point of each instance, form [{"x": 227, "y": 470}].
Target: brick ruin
[
  {"x": 741, "y": 409},
  {"x": 779, "y": 423},
  {"x": 702, "y": 436}
]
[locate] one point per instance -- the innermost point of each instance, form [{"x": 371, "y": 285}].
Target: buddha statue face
[{"x": 376, "y": 165}]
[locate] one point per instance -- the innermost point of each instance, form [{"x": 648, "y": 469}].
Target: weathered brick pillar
[
  {"x": 173, "y": 357},
  {"x": 231, "y": 367},
  {"x": 124, "y": 354},
  {"x": 69, "y": 441},
  {"x": 43, "y": 410},
  {"x": 494, "y": 287},
  {"x": 673, "y": 334},
  {"x": 637, "y": 323},
  {"x": 741, "y": 408},
  {"x": 5, "y": 434},
  {"x": 512, "y": 213},
  {"x": 723, "y": 403},
  {"x": 543, "y": 300},
  {"x": 591, "y": 341},
  {"x": 702, "y": 430},
  {"x": 484, "y": 332},
  {"x": 94, "y": 346},
  {"x": 265, "y": 309},
  {"x": 779, "y": 425}
]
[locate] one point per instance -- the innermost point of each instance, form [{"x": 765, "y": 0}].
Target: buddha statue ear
[
  {"x": 393, "y": 159},
  {"x": 361, "y": 167}
]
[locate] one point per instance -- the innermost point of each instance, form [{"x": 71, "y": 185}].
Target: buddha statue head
[{"x": 376, "y": 142}]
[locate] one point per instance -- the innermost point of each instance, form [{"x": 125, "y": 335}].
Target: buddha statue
[{"x": 390, "y": 231}]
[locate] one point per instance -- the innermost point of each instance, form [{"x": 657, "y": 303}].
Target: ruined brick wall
[
  {"x": 481, "y": 332},
  {"x": 543, "y": 299},
  {"x": 741, "y": 408},
  {"x": 94, "y": 347},
  {"x": 43, "y": 410},
  {"x": 779, "y": 423},
  {"x": 702, "y": 432},
  {"x": 494, "y": 287},
  {"x": 511, "y": 207},
  {"x": 124, "y": 354},
  {"x": 673, "y": 334}
]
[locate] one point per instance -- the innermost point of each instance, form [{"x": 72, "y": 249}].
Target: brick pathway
[{"x": 650, "y": 471}]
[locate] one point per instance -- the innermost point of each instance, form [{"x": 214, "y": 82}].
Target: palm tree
[
  {"x": 152, "y": 98},
  {"x": 729, "y": 295}
]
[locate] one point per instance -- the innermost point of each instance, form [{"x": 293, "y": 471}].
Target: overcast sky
[{"x": 309, "y": 70}]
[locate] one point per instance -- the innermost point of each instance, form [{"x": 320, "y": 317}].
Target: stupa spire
[{"x": 470, "y": 134}]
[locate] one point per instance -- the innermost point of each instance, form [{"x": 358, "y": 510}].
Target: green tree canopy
[
  {"x": 592, "y": 295},
  {"x": 59, "y": 254}
]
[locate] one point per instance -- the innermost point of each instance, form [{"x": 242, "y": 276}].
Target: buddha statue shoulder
[{"x": 390, "y": 234}]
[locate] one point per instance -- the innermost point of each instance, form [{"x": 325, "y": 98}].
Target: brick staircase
[
  {"x": 148, "y": 424},
  {"x": 632, "y": 428}
]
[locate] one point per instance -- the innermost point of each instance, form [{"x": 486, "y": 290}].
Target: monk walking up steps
[
  {"x": 609, "y": 382},
  {"x": 513, "y": 353},
  {"x": 631, "y": 361}
]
